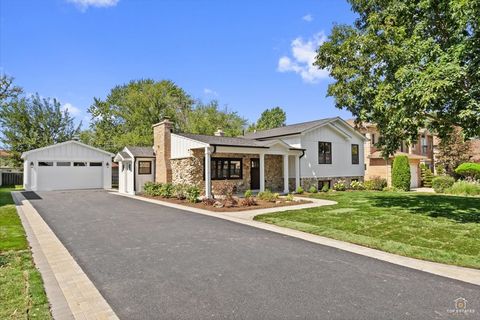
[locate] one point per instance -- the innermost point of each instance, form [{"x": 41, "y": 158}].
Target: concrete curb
[
  {"x": 69, "y": 290},
  {"x": 458, "y": 273}
]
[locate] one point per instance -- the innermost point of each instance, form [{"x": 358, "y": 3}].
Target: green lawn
[
  {"x": 21, "y": 289},
  {"x": 432, "y": 227}
]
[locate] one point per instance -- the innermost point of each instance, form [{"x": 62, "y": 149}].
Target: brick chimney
[{"x": 162, "y": 148}]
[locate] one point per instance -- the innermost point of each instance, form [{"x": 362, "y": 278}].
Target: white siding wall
[
  {"x": 142, "y": 178},
  {"x": 341, "y": 154},
  {"x": 181, "y": 146},
  {"x": 65, "y": 152}
]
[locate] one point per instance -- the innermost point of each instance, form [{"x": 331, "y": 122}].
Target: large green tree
[
  {"x": 33, "y": 122},
  {"x": 127, "y": 114},
  {"x": 269, "y": 119},
  {"x": 405, "y": 65}
]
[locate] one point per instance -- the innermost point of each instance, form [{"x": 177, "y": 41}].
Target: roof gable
[{"x": 65, "y": 143}]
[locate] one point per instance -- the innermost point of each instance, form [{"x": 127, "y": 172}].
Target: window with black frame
[
  {"x": 324, "y": 152},
  {"x": 355, "y": 154},
  {"x": 226, "y": 168},
  {"x": 144, "y": 167}
]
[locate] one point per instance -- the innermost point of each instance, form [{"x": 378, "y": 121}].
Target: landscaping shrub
[
  {"x": 248, "y": 193},
  {"x": 340, "y": 185},
  {"x": 376, "y": 183},
  {"x": 180, "y": 191},
  {"x": 325, "y": 188},
  {"x": 166, "y": 190},
  {"x": 401, "y": 173},
  {"x": 440, "y": 183},
  {"x": 427, "y": 175},
  {"x": 192, "y": 193},
  {"x": 440, "y": 168},
  {"x": 289, "y": 197},
  {"x": 357, "y": 185},
  {"x": 268, "y": 195},
  {"x": 248, "y": 202},
  {"x": 469, "y": 170},
  {"x": 464, "y": 188},
  {"x": 227, "y": 190},
  {"x": 313, "y": 189},
  {"x": 300, "y": 190},
  {"x": 209, "y": 201},
  {"x": 152, "y": 188}
]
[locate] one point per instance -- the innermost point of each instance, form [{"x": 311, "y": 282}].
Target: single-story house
[
  {"x": 282, "y": 159},
  {"x": 67, "y": 165}
]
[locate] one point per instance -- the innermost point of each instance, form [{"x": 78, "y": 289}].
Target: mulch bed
[{"x": 261, "y": 204}]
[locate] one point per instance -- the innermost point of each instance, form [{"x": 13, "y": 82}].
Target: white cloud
[
  {"x": 74, "y": 111},
  {"x": 84, "y": 4},
  {"x": 307, "y": 17},
  {"x": 303, "y": 57},
  {"x": 210, "y": 92}
]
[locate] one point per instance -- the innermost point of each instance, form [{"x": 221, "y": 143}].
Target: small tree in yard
[{"x": 401, "y": 173}]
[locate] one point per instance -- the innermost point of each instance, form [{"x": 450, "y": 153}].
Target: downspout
[
  {"x": 134, "y": 175},
  {"x": 300, "y": 166}
]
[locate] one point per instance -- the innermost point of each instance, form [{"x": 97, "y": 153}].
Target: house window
[
  {"x": 373, "y": 139},
  {"x": 324, "y": 152},
  {"x": 226, "y": 168},
  {"x": 144, "y": 167},
  {"x": 323, "y": 183},
  {"x": 63, "y": 164},
  {"x": 79, "y": 164},
  {"x": 45, "y": 163},
  {"x": 95, "y": 164},
  {"x": 355, "y": 157}
]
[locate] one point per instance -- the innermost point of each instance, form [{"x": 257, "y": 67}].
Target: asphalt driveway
[{"x": 155, "y": 262}]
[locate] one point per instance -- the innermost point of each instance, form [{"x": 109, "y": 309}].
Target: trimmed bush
[
  {"x": 289, "y": 197},
  {"x": 469, "y": 170},
  {"x": 464, "y": 188},
  {"x": 166, "y": 190},
  {"x": 300, "y": 190},
  {"x": 268, "y": 195},
  {"x": 376, "y": 183},
  {"x": 340, "y": 185},
  {"x": 440, "y": 168},
  {"x": 427, "y": 175},
  {"x": 180, "y": 191},
  {"x": 248, "y": 193},
  {"x": 192, "y": 193},
  {"x": 357, "y": 185},
  {"x": 401, "y": 173},
  {"x": 325, "y": 188},
  {"x": 440, "y": 183},
  {"x": 152, "y": 189},
  {"x": 312, "y": 189}
]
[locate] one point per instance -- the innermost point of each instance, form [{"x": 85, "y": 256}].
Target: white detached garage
[{"x": 67, "y": 165}]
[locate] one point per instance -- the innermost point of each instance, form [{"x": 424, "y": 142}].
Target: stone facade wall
[
  {"x": 190, "y": 171},
  {"x": 307, "y": 183}
]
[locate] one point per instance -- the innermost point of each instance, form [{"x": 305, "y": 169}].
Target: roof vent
[{"x": 219, "y": 133}]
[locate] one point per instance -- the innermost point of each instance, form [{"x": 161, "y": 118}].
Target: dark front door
[{"x": 254, "y": 174}]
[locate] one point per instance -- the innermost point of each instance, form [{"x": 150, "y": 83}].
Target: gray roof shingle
[
  {"x": 225, "y": 141},
  {"x": 286, "y": 130},
  {"x": 141, "y": 151}
]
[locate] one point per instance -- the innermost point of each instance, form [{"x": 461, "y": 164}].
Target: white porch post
[
  {"x": 297, "y": 172},
  {"x": 262, "y": 172},
  {"x": 285, "y": 174},
  {"x": 208, "y": 173}
]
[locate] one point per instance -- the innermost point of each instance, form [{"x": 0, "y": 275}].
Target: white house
[
  {"x": 313, "y": 153},
  {"x": 67, "y": 165}
]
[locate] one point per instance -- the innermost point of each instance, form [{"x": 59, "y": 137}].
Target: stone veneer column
[
  {"x": 162, "y": 148},
  {"x": 208, "y": 173},
  {"x": 297, "y": 172}
]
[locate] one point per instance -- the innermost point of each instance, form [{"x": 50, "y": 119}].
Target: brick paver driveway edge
[{"x": 70, "y": 292}]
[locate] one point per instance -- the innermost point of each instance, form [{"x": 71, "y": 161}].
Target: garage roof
[{"x": 65, "y": 143}]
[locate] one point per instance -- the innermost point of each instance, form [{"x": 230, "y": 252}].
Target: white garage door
[{"x": 69, "y": 175}]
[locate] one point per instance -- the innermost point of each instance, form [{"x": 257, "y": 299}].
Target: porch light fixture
[
  {"x": 31, "y": 164},
  {"x": 108, "y": 165}
]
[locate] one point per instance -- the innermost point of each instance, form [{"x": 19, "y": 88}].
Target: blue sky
[{"x": 249, "y": 55}]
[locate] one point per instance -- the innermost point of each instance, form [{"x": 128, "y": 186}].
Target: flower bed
[{"x": 225, "y": 201}]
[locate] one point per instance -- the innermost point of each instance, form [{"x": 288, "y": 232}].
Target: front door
[{"x": 254, "y": 174}]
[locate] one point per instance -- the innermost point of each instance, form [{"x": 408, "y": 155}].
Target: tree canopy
[
  {"x": 405, "y": 65},
  {"x": 31, "y": 122},
  {"x": 269, "y": 119},
  {"x": 127, "y": 114}
]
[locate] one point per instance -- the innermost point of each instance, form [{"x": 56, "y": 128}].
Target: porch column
[
  {"x": 297, "y": 172},
  {"x": 208, "y": 173},
  {"x": 285, "y": 174},
  {"x": 262, "y": 171}
]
